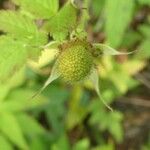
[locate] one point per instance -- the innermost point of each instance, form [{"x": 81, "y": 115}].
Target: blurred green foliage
[{"x": 66, "y": 117}]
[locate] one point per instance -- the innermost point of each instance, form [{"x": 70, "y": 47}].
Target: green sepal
[{"x": 95, "y": 80}]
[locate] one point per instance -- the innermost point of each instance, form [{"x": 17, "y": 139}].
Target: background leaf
[
  {"x": 19, "y": 100},
  {"x": 4, "y": 144},
  {"x": 21, "y": 26},
  {"x": 24, "y": 41},
  {"x": 40, "y": 9},
  {"x": 118, "y": 16},
  {"x": 14, "y": 81},
  {"x": 10, "y": 128},
  {"x": 59, "y": 25},
  {"x": 13, "y": 56}
]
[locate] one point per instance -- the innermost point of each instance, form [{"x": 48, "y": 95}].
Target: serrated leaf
[
  {"x": 39, "y": 8},
  {"x": 60, "y": 25},
  {"x": 103, "y": 49},
  {"x": 5, "y": 144},
  {"x": 13, "y": 55},
  {"x": 118, "y": 16},
  {"x": 24, "y": 41},
  {"x": 95, "y": 80},
  {"x": 10, "y": 128},
  {"x": 23, "y": 29},
  {"x": 20, "y": 26}
]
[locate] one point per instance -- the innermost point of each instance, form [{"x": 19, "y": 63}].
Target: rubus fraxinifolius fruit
[{"x": 75, "y": 61}]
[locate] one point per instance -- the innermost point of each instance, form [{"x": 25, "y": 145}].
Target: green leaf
[
  {"x": 144, "y": 2},
  {"x": 95, "y": 80},
  {"x": 145, "y": 30},
  {"x": 103, "y": 49},
  {"x": 38, "y": 143},
  {"x": 116, "y": 128},
  {"x": 15, "y": 23},
  {"x": 83, "y": 144},
  {"x": 14, "y": 81},
  {"x": 131, "y": 37},
  {"x": 144, "y": 47},
  {"x": 118, "y": 16},
  {"x": 107, "y": 146},
  {"x": 77, "y": 107},
  {"x": 10, "y": 128},
  {"x": 60, "y": 25},
  {"x": 24, "y": 41},
  {"x": 18, "y": 100},
  {"x": 24, "y": 29},
  {"x": 105, "y": 120},
  {"x": 33, "y": 128},
  {"x": 52, "y": 45},
  {"x": 21, "y": 27},
  {"x": 4, "y": 144},
  {"x": 97, "y": 7},
  {"x": 13, "y": 56},
  {"x": 144, "y": 50},
  {"x": 41, "y": 9},
  {"x": 61, "y": 143},
  {"x": 56, "y": 109}
]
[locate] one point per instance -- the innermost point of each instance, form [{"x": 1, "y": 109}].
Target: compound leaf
[
  {"x": 24, "y": 40},
  {"x": 22, "y": 28}
]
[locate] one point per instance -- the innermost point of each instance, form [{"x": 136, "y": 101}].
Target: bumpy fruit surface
[{"x": 75, "y": 61}]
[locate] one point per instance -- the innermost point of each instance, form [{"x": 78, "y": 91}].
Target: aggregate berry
[{"x": 75, "y": 61}]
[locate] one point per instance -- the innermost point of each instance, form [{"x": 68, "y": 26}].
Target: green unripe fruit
[{"x": 75, "y": 61}]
